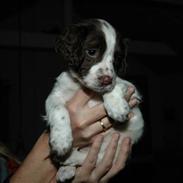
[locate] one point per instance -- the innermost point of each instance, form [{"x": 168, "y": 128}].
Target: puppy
[{"x": 92, "y": 51}]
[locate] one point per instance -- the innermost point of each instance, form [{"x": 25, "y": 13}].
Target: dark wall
[{"x": 29, "y": 65}]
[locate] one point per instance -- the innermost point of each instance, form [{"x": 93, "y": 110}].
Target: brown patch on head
[
  {"x": 77, "y": 40},
  {"x": 95, "y": 42},
  {"x": 120, "y": 55}
]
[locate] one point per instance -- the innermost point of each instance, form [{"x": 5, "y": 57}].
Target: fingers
[
  {"x": 123, "y": 153},
  {"x": 129, "y": 93},
  {"x": 81, "y": 97},
  {"x": 95, "y": 113},
  {"x": 83, "y": 173},
  {"x": 92, "y": 156},
  {"x": 132, "y": 101},
  {"x": 87, "y": 115},
  {"x": 120, "y": 162},
  {"x": 107, "y": 161},
  {"x": 53, "y": 180},
  {"x": 107, "y": 168},
  {"x": 130, "y": 115},
  {"x": 104, "y": 124},
  {"x": 96, "y": 128}
]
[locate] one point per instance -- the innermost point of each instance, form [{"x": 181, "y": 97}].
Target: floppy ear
[
  {"x": 120, "y": 59},
  {"x": 70, "y": 44}
]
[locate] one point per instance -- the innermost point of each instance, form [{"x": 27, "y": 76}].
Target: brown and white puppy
[{"x": 92, "y": 51}]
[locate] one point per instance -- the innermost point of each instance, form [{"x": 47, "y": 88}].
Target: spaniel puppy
[{"x": 92, "y": 51}]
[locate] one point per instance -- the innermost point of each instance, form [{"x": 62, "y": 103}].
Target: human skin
[{"x": 38, "y": 168}]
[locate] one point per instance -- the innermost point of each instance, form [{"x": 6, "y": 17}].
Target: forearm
[{"x": 37, "y": 167}]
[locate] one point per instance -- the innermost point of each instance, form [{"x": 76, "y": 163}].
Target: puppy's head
[{"x": 92, "y": 51}]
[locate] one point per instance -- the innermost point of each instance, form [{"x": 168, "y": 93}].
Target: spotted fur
[{"x": 91, "y": 49}]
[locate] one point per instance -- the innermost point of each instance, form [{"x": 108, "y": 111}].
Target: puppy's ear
[
  {"x": 120, "y": 63},
  {"x": 70, "y": 44}
]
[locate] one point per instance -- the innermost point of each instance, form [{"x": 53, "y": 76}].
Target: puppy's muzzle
[{"x": 105, "y": 80}]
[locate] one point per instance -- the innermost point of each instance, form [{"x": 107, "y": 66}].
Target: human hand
[
  {"x": 132, "y": 101},
  {"x": 37, "y": 166},
  {"x": 89, "y": 172},
  {"x": 85, "y": 121}
]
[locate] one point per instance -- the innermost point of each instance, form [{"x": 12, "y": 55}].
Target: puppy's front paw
[
  {"x": 65, "y": 173},
  {"x": 59, "y": 153},
  {"x": 60, "y": 145},
  {"x": 118, "y": 110}
]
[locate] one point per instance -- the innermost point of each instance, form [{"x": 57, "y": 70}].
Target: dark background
[{"x": 29, "y": 65}]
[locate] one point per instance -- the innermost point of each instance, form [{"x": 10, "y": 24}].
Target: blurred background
[{"x": 29, "y": 66}]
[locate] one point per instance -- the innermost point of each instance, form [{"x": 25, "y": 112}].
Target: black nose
[{"x": 105, "y": 80}]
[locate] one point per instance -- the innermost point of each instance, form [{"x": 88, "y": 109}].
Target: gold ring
[{"x": 102, "y": 125}]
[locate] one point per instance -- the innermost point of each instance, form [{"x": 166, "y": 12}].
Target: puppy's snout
[{"x": 105, "y": 80}]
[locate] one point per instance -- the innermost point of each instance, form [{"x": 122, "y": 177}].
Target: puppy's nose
[{"x": 105, "y": 80}]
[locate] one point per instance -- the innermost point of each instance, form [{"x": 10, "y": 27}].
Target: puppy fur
[{"x": 93, "y": 53}]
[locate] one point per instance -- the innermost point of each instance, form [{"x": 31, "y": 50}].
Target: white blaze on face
[
  {"x": 106, "y": 64},
  {"x": 110, "y": 37},
  {"x": 108, "y": 56}
]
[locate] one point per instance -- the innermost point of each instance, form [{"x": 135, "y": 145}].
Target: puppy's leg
[
  {"x": 60, "y": 131},
  {"x": 136, "y": 124},
  {"x": 65, "y": 173},
  {"x": 116, "y": 105}
]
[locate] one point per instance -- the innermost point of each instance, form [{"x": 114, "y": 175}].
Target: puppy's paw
[
  {"x": 118, "y": 110},
  {"x": 65, "y": 173},
  {"x": 60, "y": 144},
  {"x": 59, "y": 155},
  {"x": 55, "y": 158}
]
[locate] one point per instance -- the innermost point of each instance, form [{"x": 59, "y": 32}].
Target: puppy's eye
[{"x": 91, "y": 52}]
